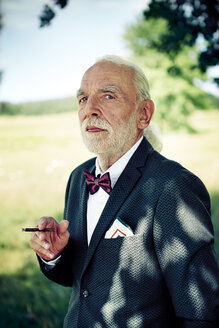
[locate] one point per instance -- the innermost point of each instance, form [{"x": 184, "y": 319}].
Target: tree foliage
[
  {"x": 172, "y": 84},
  {"x": 188, "y": 21},
  {"x": 43, "y": 107},
  {"x": 49, "y": 13}
]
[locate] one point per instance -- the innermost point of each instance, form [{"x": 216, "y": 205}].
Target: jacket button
[{"x": 85, "y": 293}]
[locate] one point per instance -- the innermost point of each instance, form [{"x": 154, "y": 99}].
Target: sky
[{"x": 48, "y": 63}]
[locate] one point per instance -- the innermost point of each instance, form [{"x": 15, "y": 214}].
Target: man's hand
[{"x": 49, "y": 245}]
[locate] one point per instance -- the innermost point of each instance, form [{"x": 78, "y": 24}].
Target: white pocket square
[{"x": 118, "y": 229}]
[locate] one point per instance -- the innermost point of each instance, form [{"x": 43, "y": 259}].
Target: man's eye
[
  {"x": 109, "y": 97},
  {"x": 82, "y": 100}
]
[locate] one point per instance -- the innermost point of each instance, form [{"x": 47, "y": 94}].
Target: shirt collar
[{"x": 116, "y": 169}]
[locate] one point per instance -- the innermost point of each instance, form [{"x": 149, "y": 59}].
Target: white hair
[
  {"x": 153, "y": 134},
  {"x": 140, "y": 80}
]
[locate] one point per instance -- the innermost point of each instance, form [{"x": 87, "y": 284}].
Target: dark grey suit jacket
[{"x": 164, "y": 276}]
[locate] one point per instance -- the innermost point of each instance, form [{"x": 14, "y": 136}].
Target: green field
[{"x": 37, "y": 154}]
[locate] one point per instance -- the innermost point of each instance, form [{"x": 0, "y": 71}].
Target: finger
[
  {"x": 62, "y": 231},
  {"x": 46, "y": 222},
  {"x": 46, "y": 256},
  {"x": 39, "y": 239},
  {"x": 42, "y": 236},
  {"x": 63, "y": 226},
  {"x": 39, "y": 248}
]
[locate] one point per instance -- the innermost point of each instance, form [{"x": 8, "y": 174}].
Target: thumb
[{"x": 62, "y": 227}]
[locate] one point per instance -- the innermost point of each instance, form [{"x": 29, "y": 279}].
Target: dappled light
[{"x": 179, "y": 245}]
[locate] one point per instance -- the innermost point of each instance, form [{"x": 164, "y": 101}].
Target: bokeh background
[{"x": 40, "y": 141}]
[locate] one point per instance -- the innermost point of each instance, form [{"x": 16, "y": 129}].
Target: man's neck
[{"x": 106, "y": 160}]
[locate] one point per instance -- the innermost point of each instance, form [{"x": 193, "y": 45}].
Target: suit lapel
[
  {"x": 120, "y": 192},
  {"x": 84, "y": 198},
  {"x": 79, "y": 228}
]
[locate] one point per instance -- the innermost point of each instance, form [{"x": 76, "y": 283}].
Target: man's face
[{"x": 107, "y": 108}]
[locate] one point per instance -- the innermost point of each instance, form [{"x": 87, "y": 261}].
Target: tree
[
  {"x": 171, "y": 79},
  {"x": 189, "y": 22},
  {"x": 49, "y": 13}
]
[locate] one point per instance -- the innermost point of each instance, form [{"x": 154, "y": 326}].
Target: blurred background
[{"x": 45, "y": 48}]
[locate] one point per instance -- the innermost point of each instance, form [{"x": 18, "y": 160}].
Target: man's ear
[{"x": 145, "y": 113}]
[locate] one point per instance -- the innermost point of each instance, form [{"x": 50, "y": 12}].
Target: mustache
[{"x": 98, "y": 122}]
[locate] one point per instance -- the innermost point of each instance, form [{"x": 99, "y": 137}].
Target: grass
[{"x": 37, "y": 154}]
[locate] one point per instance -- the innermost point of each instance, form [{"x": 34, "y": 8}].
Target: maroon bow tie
[{"x": 95, "y": 183}]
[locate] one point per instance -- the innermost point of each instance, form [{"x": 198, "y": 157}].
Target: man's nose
[{"x": 92, "y": 107}]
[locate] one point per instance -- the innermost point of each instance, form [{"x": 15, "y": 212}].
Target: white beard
[{"x": 113, "y": 140}]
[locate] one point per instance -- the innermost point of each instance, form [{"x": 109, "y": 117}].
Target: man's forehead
[{"x": 107, "y": 75}]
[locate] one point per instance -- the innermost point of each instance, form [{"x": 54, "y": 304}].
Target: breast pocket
[{"x": 121, "y": 249}]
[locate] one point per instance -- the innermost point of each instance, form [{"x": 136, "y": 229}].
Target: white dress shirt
[{"x": 97, "y": 201}]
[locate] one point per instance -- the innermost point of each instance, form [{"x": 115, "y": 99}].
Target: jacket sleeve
[
  {"x": 183, "y": 238},
  {"x": 61, "y": 272}
]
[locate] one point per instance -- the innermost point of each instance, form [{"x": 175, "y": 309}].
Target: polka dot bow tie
[{"x": 94, "y": 183}]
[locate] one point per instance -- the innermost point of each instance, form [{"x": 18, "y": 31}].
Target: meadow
[{"x": 37, "y": 154}]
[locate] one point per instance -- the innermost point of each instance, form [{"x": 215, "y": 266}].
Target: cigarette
[{"x": 37, "y": 229}]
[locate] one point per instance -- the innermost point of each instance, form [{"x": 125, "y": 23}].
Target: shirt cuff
[{"x": 50, "y": 264}]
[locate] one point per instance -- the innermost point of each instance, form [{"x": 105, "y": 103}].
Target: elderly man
[{"x": 136, "y": 244}]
